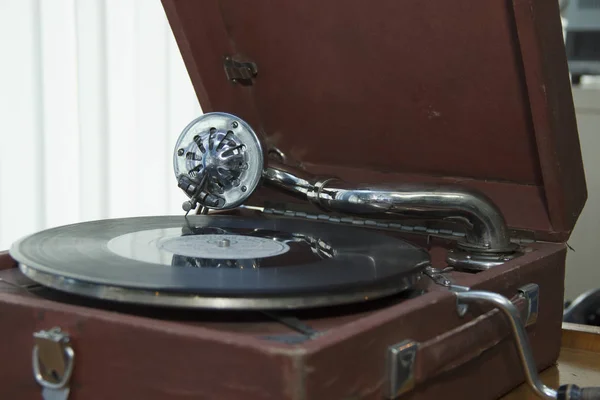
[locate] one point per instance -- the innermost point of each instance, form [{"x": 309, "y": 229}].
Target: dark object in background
[
  {"x": 585, "y": 309},
  {"x": 582, "y": 37}
]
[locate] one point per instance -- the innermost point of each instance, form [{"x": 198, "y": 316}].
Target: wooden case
[
  {"x": 392, "y": 91},
  {"x": 124, "y": 352},
  {"x": 467, "y": 92}
]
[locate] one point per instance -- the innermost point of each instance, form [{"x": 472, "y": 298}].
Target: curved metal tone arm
[{"x": 487, "y": 231}]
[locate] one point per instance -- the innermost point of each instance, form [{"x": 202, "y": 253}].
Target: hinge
[
  {"x": 522, "y": 236},
  {"x": 240, "y": 72}
]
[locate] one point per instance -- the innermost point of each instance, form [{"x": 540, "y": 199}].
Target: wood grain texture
[
  {"x": 581, "y": 337},
  {"x": 578, "y": 367}
]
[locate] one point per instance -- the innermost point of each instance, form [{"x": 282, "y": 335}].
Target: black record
[{"x": 224, "y": 262}]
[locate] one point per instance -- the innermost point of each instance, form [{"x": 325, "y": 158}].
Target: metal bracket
[
  {"x": 401, "y": 358},
  {"x": 438, "y": 277},
  {"x": 531, "y": 292},
  {"x": 287, "y": 339},
  {"x": 400, "y": 368},
  {"x": 473, "y": 261},
  {"x": 240, "y": 72},
  {"x": 53, "y": 359}
]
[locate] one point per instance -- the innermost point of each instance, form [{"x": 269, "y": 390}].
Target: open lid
[{"x": 468, "y": 91}]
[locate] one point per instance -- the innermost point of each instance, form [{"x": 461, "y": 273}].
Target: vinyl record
[{"x": 224, "y": 262}]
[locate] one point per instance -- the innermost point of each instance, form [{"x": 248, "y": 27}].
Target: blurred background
[{"x": 94, "y": 95}]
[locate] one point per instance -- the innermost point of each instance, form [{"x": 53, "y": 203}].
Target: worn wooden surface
[
  {"x": 578, "y": 364},
  {"x": 581, "y": 337}
]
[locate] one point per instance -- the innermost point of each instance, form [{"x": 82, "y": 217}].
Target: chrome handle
[
  {"x": 565, "y": 392},
  {"x": 519, "y": 334}
]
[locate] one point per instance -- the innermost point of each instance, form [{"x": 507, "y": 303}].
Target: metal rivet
[
  {"x": 187, "y": 205},
  {"x": 244, "y": 188},
  {"x": 180, "y": 152},
  {"x": 235, "y": 124}
]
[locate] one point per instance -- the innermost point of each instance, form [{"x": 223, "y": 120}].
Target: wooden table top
[{"x": 578, "y": 364}]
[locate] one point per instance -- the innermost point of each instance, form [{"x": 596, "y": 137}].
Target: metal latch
[
  {"x": 400, "y": 368},
  {"x": 531, "y": 292},
  {"x": 53, "y": 360},
  {"x": 240, "y": 72}
]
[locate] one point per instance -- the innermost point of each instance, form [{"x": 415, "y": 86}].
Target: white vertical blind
[
  {"x": 92, "y": 107},
  {"x": 93, "y": 95},
  {"x": 60, "y": 116}
]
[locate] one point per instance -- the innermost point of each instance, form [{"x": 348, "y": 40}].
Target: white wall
[
  {"x": 93, "y": 95},
  {"x": 583, "y": 266}
]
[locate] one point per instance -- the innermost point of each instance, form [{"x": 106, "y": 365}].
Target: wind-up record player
[{"x": 376, "y": 204}]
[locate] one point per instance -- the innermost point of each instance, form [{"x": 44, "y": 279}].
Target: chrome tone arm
[
  {"x": 219, "y": 162},
  {"x": 486, "y": 228}
]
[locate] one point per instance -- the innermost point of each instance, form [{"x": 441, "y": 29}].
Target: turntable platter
[{"x": 220, "y": 262}]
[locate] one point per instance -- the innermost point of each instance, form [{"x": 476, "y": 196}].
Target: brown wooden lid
[{"x": 467, "y": 91}]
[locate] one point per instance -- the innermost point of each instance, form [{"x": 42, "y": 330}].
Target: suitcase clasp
[
  {"x": 400, "y": 368},
  {"x": 531, "y": 292},
  {"x": 53, "y": 358}
]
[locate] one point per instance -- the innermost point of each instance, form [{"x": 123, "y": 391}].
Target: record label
[
  {"x": 161, "y": 245},
  {"x": 224, "y": 246}
]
